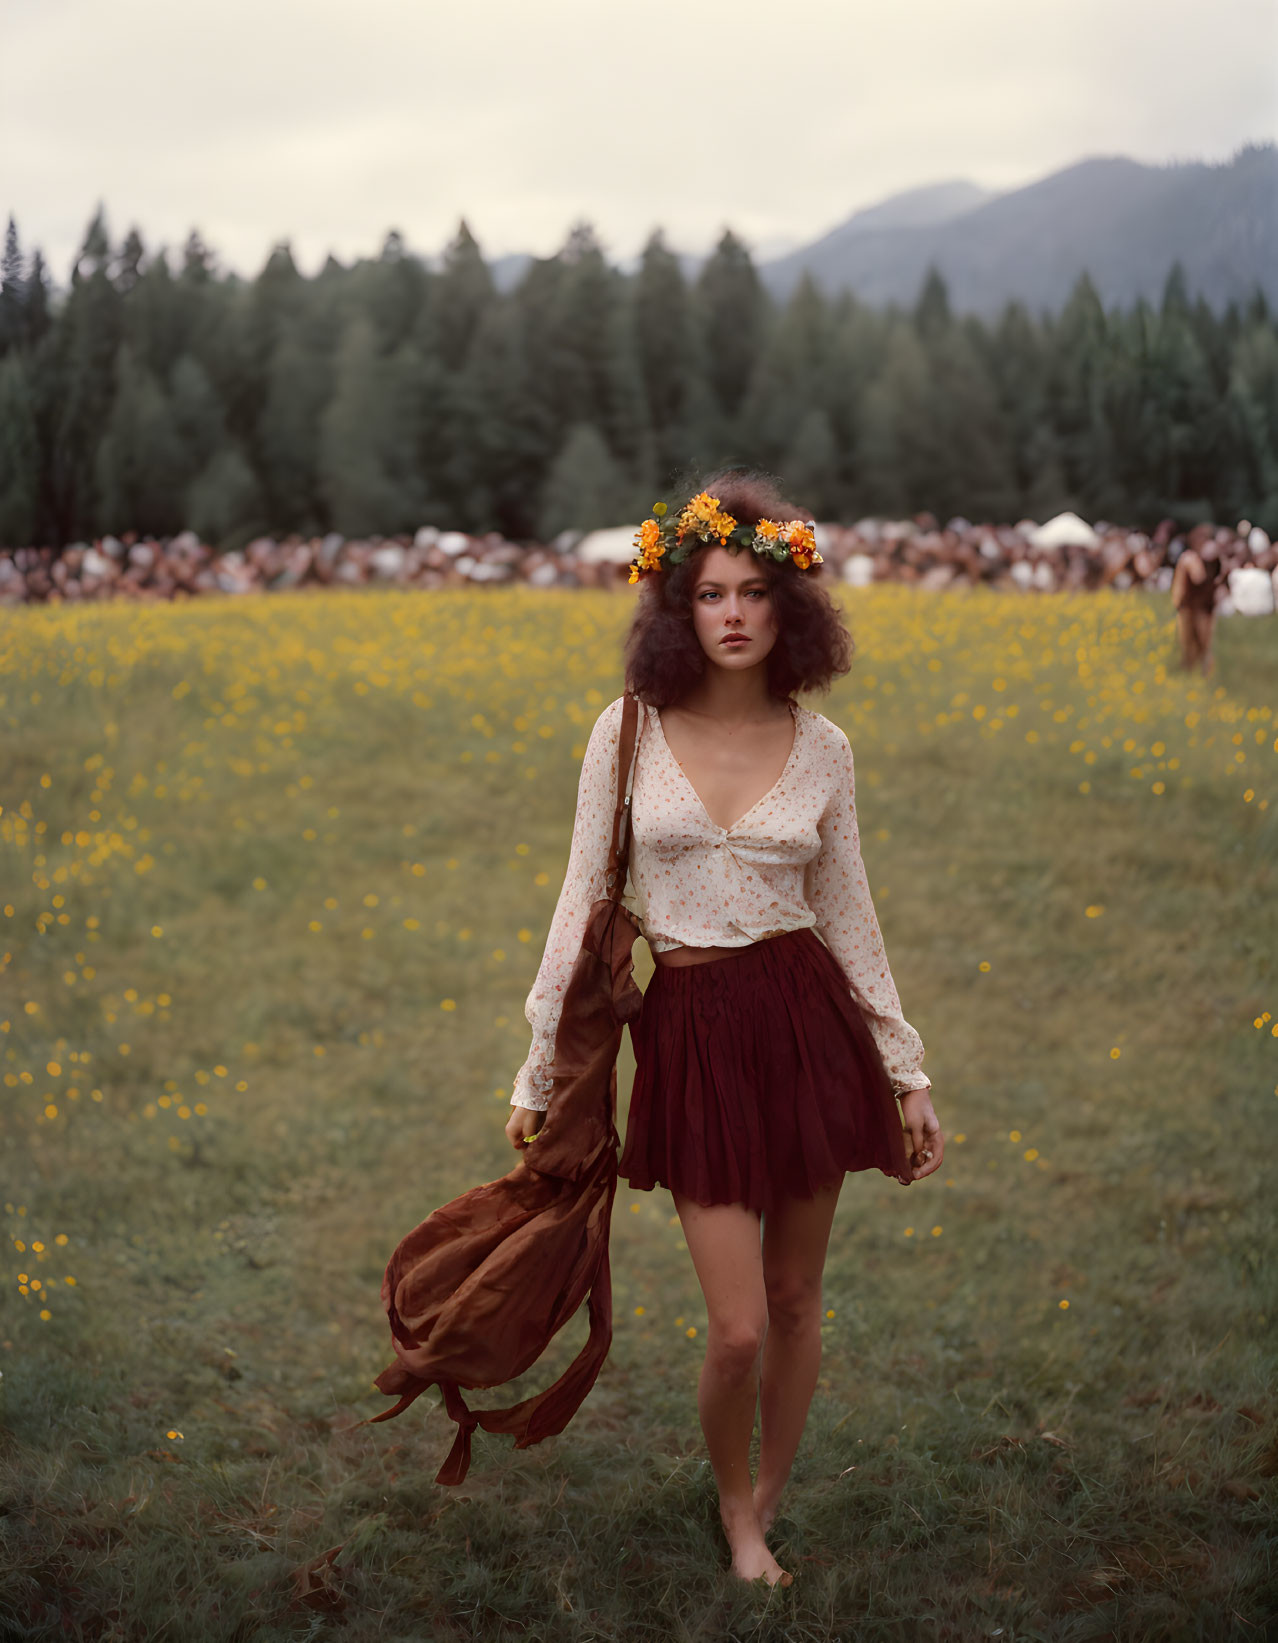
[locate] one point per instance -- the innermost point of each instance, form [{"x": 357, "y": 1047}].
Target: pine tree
[
  {"x": 287, "y": 431},
  {"x": 1078, "y": 343},
  {"x": 1175, "y": 293},
  {"x": 1019, "y": 366},
  {"x": 155, "y": 318},
  {"x": 199, "y": 419},
  {"x": 790, "y": 380},
  {"x": 858, "y": 347},
  {"x": 670, "y": 360},
  {"x": 38, "y": 318},
  {"x": 584, "y": 490},
  {"x": 902, "y": 441},
  {"x": 1164, "y": 418},
  {"x": 128, "y": 266},
  {"x": 512, "y": 429},
  {"x": 593, "y": 369},
  {"x": 810, "y": 466},
  {"x": 81, "y": 384},
  {"x": 1249, "y": 483},
  {"x": 972, "y": 465},
  {"x": 281, "y": 344},
  {"x": 932, "y": 316},
  {"x": 223, "y": 504},
  {"x": 357, "y": 431},
  {"x": 138, "y": 462},
  {"x": 198, "y": 262},
  {"x": 208, "y": 318},
  {"x": 460, "y": 294},
  {"x": 393, "y": 291},
  {"x": 13, "y": 291},
  {"x": 734, "y": 319},
  {"x": 19, "y": 455}
]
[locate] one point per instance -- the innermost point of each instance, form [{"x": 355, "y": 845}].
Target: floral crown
[{"x": 663, "y": 537}]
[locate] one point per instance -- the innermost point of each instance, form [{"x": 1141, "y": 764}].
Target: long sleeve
[
  {"x": 583, "y": 885},
  {"x": 838, "y": 892}
]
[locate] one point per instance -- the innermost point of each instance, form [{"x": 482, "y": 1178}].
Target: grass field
[{"x": 275, "y": 877}]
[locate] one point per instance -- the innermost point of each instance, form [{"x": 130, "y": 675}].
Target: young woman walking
[{"x": 771, "y": 1048}]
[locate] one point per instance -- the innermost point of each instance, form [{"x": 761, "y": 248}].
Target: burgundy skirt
[{"x": 756, "y": 1078}]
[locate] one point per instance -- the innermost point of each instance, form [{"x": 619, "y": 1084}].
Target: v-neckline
[{"x": 795, "y": 713}]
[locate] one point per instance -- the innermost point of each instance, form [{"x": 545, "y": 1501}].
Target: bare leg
[
  {"x": 723, "y": 1240},
  {"x": 1187, "y": 630},
  {"x": 1204, "y": 620},
  {"x": 795, "y": 1238}
]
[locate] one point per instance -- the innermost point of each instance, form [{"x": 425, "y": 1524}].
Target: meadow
[{"x": 275, "y": 875}]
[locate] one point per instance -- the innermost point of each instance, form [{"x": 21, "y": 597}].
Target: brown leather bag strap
[{"x": 627, "y": 756}]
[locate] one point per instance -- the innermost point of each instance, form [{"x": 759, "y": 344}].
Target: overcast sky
[{"x": 327, "y": 122}]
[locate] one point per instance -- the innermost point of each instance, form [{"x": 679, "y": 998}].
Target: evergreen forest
[{"x": 158, "y": 393}]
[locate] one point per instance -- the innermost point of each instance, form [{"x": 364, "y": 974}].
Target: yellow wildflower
[{"x": 704, "y": 517}]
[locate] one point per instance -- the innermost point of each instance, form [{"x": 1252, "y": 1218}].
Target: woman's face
[{"x": 730, "y": 596}]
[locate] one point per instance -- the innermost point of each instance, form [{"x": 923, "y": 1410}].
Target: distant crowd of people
[
  {"x": 1210, "y": 570},
  {"x": 1065, "y": 553}
]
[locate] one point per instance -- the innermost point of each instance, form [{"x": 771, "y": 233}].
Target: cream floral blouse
[{"x": 792, "y": 861}]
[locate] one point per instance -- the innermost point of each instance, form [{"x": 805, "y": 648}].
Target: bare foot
[
  {"x": 751, "y": 1558},
  {"x": 765, "y": 1507}
]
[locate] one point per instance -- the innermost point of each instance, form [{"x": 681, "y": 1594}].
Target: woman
[
  {"x": 771, "y": 1040},
  {"x": 1196, "y": 583}
]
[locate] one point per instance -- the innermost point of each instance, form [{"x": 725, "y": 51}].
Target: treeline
[{"x": 375, "y": 398}]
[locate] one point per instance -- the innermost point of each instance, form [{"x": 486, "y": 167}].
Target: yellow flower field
[{"x": 274, "y": 881}]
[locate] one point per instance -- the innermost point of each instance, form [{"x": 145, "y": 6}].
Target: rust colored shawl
[{"x": 475, "y": 1293}]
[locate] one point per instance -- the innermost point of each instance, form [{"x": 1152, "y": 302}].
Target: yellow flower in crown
[
  {"x": 704, "y": 518},
  {"x": 650, "y": 546}
]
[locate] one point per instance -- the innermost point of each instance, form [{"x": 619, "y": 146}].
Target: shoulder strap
[{"x": 627, "y": 755}]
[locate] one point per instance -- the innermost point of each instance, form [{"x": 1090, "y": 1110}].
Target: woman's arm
[
  {"x": 838, "y": 892},
  {"x": 584, "y": 884}
]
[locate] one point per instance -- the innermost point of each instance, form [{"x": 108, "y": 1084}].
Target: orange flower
[
  {"x": 703, "y": 517},
  {"x": 650, "y": 546},
  {"x": 649, "y": 538},
  {"x": 801, "y": 541}
]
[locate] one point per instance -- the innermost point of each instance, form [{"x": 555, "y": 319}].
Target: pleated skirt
[{"x": 757, "y": 1079}]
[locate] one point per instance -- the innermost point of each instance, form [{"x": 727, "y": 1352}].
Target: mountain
[
  {"x": 925, "y": 207},
  {"x": 1122, "y": 222}
]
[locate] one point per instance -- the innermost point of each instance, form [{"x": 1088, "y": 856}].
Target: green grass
[{"x": 980, "y": 1460}]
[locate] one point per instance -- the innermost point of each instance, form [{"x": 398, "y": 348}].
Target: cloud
[{"x": 328, "y": 124}]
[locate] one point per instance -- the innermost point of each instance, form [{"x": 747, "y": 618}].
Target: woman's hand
[
  {"x": 523, "y": 1122},
  {"x": 925, "y": 1131}
]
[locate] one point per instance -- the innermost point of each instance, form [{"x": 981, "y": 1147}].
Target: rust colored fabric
[{"x": 477, "y": 1291}]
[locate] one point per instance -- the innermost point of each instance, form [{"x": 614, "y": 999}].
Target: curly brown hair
[{"x": 663, "y": 658}]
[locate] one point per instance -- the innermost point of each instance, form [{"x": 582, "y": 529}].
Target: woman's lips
[{"x": 735, "y": 639}]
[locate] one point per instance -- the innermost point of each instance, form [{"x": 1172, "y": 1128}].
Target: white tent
[
  {"x": 1252, "y": 590},
  {"x": 858, "y": 570},
  {"x": 615, "y": 546},
  {"x": 1067, "y": 530}
]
